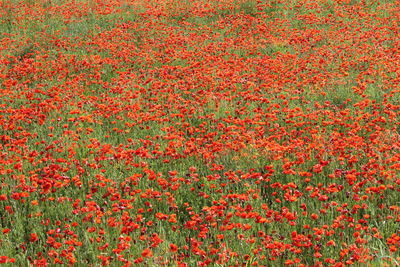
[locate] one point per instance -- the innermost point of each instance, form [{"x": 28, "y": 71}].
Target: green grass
[{"x": 241, "y": 87}]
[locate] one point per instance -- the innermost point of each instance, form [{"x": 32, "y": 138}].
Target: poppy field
[{"x": 199, "y": 133}]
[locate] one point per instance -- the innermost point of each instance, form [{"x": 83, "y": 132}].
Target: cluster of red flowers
[{"x": 193, "y": 133}]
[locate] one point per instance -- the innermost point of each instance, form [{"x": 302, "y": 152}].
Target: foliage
[{"x": 194, "y": 133}]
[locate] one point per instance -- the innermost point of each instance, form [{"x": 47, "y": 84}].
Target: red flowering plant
[{"x": 199, "y": 133}]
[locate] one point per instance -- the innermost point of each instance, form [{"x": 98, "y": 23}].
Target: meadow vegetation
[{"x": 199, "y": 133}]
